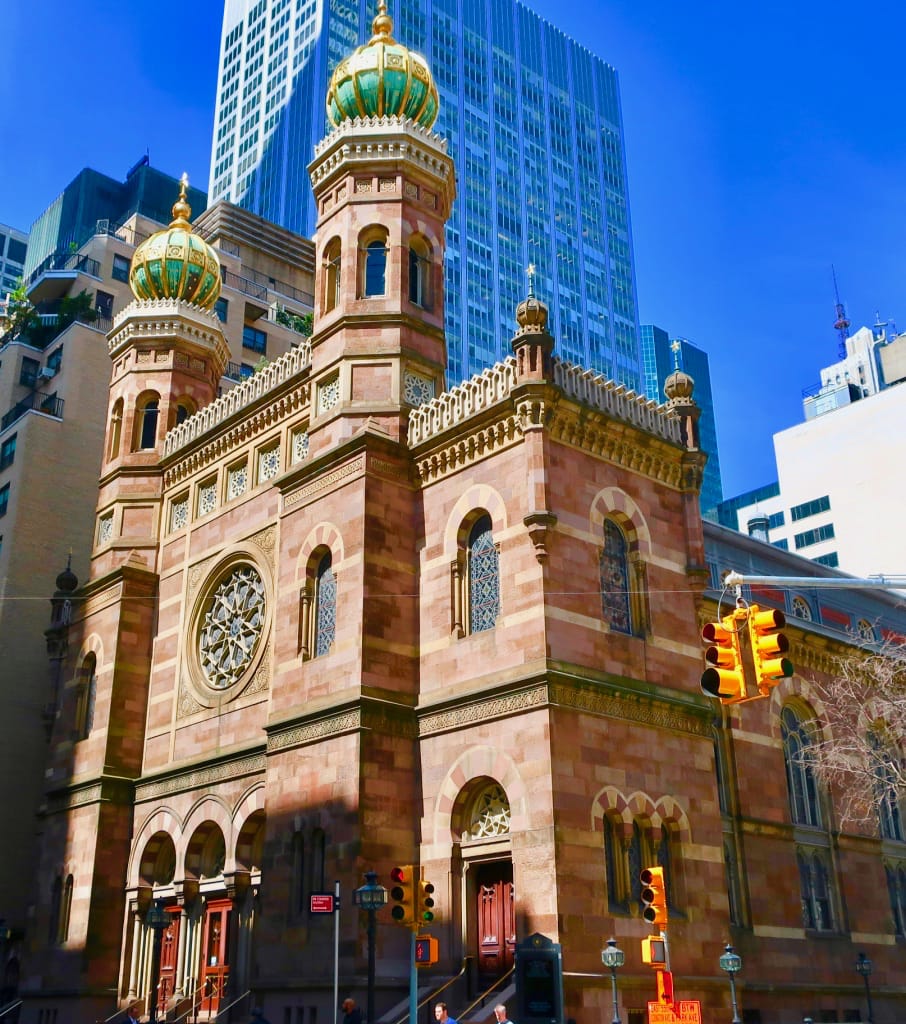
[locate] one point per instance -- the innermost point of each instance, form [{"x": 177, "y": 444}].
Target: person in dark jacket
[{"x": 351, "y": 1013}]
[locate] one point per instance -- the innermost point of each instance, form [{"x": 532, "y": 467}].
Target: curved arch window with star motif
[
  {"x": 490, "y": 813},
  {"x": 231, "y": 627}
]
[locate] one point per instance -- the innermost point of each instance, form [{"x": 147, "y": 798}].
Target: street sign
[
  {"x": 321, "y": 903},
  {"x": 683, "y": 1011}
]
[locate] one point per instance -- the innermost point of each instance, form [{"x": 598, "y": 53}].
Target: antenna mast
[{"x": 841, "y": 323}]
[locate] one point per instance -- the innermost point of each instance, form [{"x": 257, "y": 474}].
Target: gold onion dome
[
  {"x": 679, "y": 386},
  {"x": 176, "y": 263},
  {"x": 383, "y": 78}
]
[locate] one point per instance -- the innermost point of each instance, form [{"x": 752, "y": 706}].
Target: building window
[
  {"x": 120, "y": 270},
  {"x": 8, "y": 452},
  {"x": 55, "y": 359},
  {"x": 105, "y": 529},
  {"x": 254, "y": 339},
  {"x": 810, "y": 508},
  {"x": 268, "y": 463},
  {"x": 332, "y": 275},
  {"x": 613, "y": 574},
  {"x": 116, "y": 428},
  {"x": 783, "y": 544},
  {"x": 87, "y": 692},
  {"x": 820, "y": 533},
  {"x": 419, "y": 272},
  {"x": 207, "y": 497},
  {"x": 146, "y": 422},
  {"x": 246, "y": 370},
  {"x": 297, "y": 905},
  {"x": 814, "y": 884},
  {"x": 28, "y": 372},
  {"x": 731, "y": 868},
  {"x": 885, "y": 766},
  {"x": 300, "y": 446},
  {"x": 179, "y": 513},
  {"x": 775, "y": 519},
  {"x": 803, "y": 790},
  {"x": 325, "y": 606},
  {"x": 896, "y": 888},
  {"x": 483, "y": 576},
  {"x": 103, "y": 303},
  {"x": 237, "y": 480},
  {"x": 831, "y": 560},
  {"x": 613, "y": 863},
  {"x": 865, "y": 630},
  {"x": 221, "y": 308},
  {"x": 374, "y": 267},
  {"x": 4, "y": 500}
]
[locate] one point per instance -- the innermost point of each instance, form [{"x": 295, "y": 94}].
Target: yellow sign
[{"x": 683, "y": 1011}]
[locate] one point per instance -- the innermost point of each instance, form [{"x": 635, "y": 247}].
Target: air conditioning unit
[{"x": 47, "y": 373}]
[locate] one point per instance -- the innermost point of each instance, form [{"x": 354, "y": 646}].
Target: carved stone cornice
[
  {"x": 301, "y": 733},
  {"x": 106, "y": 790},
  {"x": 291, "y": 403},
  {"x": 818, "y": 659},
  {"x": 324, "y": 482},
  {"x": 468, "y": 447},
  {"x": 196, "y": 776}
]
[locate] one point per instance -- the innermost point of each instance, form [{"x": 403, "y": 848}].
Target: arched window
[
  {"x": 896, "y": 888},
  {"x": 87, "y": 691},
  {"x": 374, "y": 266},
  {"x": 116, "y": 429},
  {"x": 332, "y": 275},
  {"x": 805, "y": 808},
  {"x": 65, "y": 910},
  {"x": 483, "y": 576},
  {"x": 802, "y": 609},
  {"x": 817, "y": 908},
  {"x": 890, "y": 822},
  {"x": 731, "y": 868},
  {"x": 635, "y": 865},
  {"x": 419, "y": 272},
  {"x": 325, "y": 606},
  {"x": 613, "y": 863},
  {"x": 147, "y": 413},
  {"x": 184, "y": 409},
  {"x": 298, "y": 883},
  {"x": 490, "y": 813},
  {"x": 613, "y": 575}
]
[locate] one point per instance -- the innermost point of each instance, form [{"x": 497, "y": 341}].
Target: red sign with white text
[{"x": 683, "y": 1011}]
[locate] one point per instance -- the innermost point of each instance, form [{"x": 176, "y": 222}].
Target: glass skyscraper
[
  {"x": 659, "y": 360},
  {"x": 534, "y": 124}
]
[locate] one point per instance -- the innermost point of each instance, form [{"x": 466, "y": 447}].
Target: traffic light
[
  {"x": 425, "y": 902},
  {"x": 768, "y": 647},
  {"x": 726, "y": 678},
  {"x": 403, "y": 878},
  {"x": 654, "y": 896}
]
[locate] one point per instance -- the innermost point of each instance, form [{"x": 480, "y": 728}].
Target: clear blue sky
[{"x": 764, "y": 143}]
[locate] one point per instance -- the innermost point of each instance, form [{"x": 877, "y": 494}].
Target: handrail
[
  {"x": 484, "y": 995},
  {"x": 229, "y": 1006},
  {"x": 194, "y": 1003},
  {"x": 11, "y": 1007},
  {"x": 433, "y": 995}
]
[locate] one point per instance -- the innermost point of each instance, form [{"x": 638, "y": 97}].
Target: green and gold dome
[
  {"x": 176, "y": 263},
  {"x": 383, "y": 78}
]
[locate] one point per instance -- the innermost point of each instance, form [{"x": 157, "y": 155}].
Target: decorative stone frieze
[{"x": 200, "y": 778}]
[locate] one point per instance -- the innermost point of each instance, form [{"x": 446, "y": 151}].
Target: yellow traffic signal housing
[
  {"x": 426, "y": 951},
  {"x": 403, "y": 894},
  {"x": 425, "y": 902},
  {"x": 768, "y": 647},
  {"x": 725, "y": 678},
  {"x": 654, "y": 896},
  {"x": 654, "y": 952}
]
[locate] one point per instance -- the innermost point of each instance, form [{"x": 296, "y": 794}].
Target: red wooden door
[
  {"x": 496, "y": 918},
  {"x": 214, "y": 967},
  {"x": 169, "y": 944}
]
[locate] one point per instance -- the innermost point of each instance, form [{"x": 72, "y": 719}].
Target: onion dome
[
  {"x": 382, "y": 79},
  {"x": 67, "y": 580},
  {"x": 531, "y": 313},
  {"x": 176, "y": 263},
  {"x": 679, "y": 386}
]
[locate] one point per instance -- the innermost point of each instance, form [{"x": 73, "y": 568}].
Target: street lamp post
[
  {"x": 614, "y": 958},
  {"x": 158, "y": 920},
  {"x": 370, "y": 897},
  {"x": 731, "y": 962},
  {"x": 864, "y": 967}
]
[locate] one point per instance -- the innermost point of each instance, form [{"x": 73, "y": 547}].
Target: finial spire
[
  {"x": 383, "y": 23},
  {"x": 676, "y": 346},
  {"x": 530, "y": 274},
  {"x": 181, "y": 209}
]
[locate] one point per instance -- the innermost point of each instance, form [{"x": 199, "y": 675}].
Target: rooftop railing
[
  {"x": 65, "y": 260},
  {"x": 48, "y": 404}
]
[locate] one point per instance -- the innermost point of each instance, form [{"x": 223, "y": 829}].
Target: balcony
[
  {"x": 53, "y": 277},
  {"x": 50, "y": 405}
]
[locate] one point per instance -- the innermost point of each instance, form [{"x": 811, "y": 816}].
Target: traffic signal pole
[
  {"x": 737, "y": 579},
  {"x": 413, "y": 979}
]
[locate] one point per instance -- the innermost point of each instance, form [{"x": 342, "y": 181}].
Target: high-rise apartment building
[
  {"x": 13, "y": 246},
  {"x": 660, "y": 357},
  {"x": 533, "y": 122}
]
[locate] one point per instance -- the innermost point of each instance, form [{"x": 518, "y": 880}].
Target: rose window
[
  {"x": 231, "y": 628},
  {"x": 491, "y": 814}
]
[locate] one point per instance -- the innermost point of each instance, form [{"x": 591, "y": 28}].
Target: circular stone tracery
[{"x": 231, "y": 627}]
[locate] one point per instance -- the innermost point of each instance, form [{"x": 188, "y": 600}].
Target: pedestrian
[
  {"x": 351, "y": 1013},
  {"x": 441, "y": 1015},
  {"x": 258, "y": 1016},
  {"x": 131, "y": 1015},
  {"x": 500, "y": 1014}
]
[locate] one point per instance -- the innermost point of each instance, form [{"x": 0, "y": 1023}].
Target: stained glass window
[
  {"x": 815, "y": 890},
  {"x": 896, "y": 887},
  {"x": 484, "y": 577},
  {"x": 232, "y": 627},
  {"x": 614, "y": 579},
  {"x": 804, "y": 806},
  {"x": 612, "y": 857},
  {"x": 635, "y": 863},
  {"x": 491, "y": 813},
  {"x": 326, "y": 608},
  {"x": 890, "y": 822}
]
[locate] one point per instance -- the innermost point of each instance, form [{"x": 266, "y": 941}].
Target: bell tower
[
  {"x": 384, "y": 186},
  {"x": 168, "y": 355}
]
